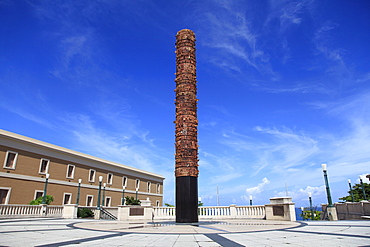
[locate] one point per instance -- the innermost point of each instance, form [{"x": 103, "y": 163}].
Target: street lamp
[
  {"x": 250, "y": 200},
  {"x": 78, "y": 191},
  {"x": 123, "y": 195},
  {"x": 350, "y": 190},
  {"x": 137, "y": 189},
  {"x": 327, "y": 185},
  {"x": 99, "y": 192},
  {"x": 47, "y": 175},
  {"x": 302, "y": 209},
  {"x": 103, "y": 202},
  {"x": 310, "y": 199},
  {"x": 363, "y": 188}
]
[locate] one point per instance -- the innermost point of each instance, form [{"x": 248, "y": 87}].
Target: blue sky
[{"x": 284, "y": 86}]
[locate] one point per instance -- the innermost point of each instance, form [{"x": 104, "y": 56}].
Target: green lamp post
[
  {"x": 310, "y": 199},
  {"x": 99, "y": 192},
  {"x": 47, "y": 175},
  {"x": 350, "y": 190},
  {"x": 78, "y": 191},
  {"x": 363, "y": 188},
  {"x": 330, "y": 202},
  {"x": 103, "y": 201}
]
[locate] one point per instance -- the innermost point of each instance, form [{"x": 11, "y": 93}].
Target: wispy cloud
[
  {"x": 288, "y": 13},
  {"x": 234, "y": 37},
  {"x": 324, "y": 45}
]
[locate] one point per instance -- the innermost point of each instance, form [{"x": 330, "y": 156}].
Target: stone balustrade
[
  {"x": 215, "y": 212},
  {"x": 278, "y": 209},
  {"x": 164, "y": 213},
  {"x": 24, "y": 211}
]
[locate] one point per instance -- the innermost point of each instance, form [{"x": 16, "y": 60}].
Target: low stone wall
[{"x": 349, "y": 210}]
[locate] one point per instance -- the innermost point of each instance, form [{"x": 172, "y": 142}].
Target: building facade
[{"x": 27, "y": 161}]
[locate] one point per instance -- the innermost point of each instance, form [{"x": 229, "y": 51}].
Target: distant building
[{"x": 26, "y": 162}]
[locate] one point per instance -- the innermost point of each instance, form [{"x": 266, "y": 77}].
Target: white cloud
[
  {"x": 301, "y": 194},
  {"x": 259, "y": 188},
  {"x": 364, "y": 178}
]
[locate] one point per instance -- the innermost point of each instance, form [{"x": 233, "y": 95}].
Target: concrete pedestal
[
  {"x": 280, "y": 208},
  {"x": 332, "y": 213},
  {"x": 146, "y": 202},
  {"x": 70, "y": 211},
  {"x": 97, "y": 214},
  {"x": 133, "y": 213}
]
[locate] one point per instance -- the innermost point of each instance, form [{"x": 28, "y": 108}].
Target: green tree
[
  {"x": 169, "y": 205},
  {"x": 306, "y": 214},
  {"x": 38, "y": 201},
  {"x": 132, "y": 201},
  {"x": 357, "y": 193}
]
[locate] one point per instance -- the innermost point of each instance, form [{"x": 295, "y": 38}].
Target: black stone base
[{"x": 186, "y": 199}]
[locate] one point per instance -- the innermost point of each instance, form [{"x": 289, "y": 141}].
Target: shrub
[
  {"x": 132, "y": 201},
  {"x": 84, "y": 213},
  {"x": 306, "y": 214},
  {"x": 38, "y": 201}
]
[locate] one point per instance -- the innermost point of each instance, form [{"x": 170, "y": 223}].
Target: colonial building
[{"x": 26, "y": 163}]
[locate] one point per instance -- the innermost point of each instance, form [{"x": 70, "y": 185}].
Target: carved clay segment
[{"x": 186, "y": 140}]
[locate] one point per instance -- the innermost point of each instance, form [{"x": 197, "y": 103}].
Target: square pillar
[{"x": 70, "y": 211}]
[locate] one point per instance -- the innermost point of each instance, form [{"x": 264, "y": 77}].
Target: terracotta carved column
[{"x": 186, "y": 140}]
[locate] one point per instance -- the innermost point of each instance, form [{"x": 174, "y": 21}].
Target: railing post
[
  {"x": 232, "y": 211},
  {"x": 70, "y": 211},
  {"x": 44, "y": 209}
]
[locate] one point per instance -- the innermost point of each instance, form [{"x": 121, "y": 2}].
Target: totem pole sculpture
[{"x": 186, "y": 157}]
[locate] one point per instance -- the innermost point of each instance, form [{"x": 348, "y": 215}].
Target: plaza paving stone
[{"x": 83, "y": 232}]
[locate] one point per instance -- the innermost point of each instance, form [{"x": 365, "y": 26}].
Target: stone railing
[
  {"x": 24, "y": 211},
  {"x": 278, "y": 209},
  {"x": 54, "y": 211},
  {"x": 216, "y": 212},
  {"x": 250, "y": 212},
  {"x": 164, "y": 213}
]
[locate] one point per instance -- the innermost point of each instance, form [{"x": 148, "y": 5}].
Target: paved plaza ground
[{"x": 82, "y": 232}]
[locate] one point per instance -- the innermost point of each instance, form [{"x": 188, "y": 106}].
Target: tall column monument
[{"x": 186, "y": 140}]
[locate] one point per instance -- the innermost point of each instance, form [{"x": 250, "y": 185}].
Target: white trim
[
  {"x": 158, "y": 188},
  {"x": 110, "y": 181},
  {"x": 157, "y": 203},
  {"x": 110, "y": 201},
  {"x": 9, "y": 189},
  {"x": 92, "y": 200},
  {"x": 148, "y": 185},
  {"x": 67, "y": 183},
  {"x": 137, "y": 183},
  {"x": 124, "y": 181},
  {"x": 14, "y": 161},
  {"x": 37, "y": 191},
  {"x": 93, "y": 179},
  {"x": 47, "y": 166},
  {"x": 64, "y": 197},
  {"x": 32, "y": 145},
  {"x": 73, "y": 171}
]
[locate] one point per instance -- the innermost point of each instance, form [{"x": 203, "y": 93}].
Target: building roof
[{"x": 16, "y": 141}]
